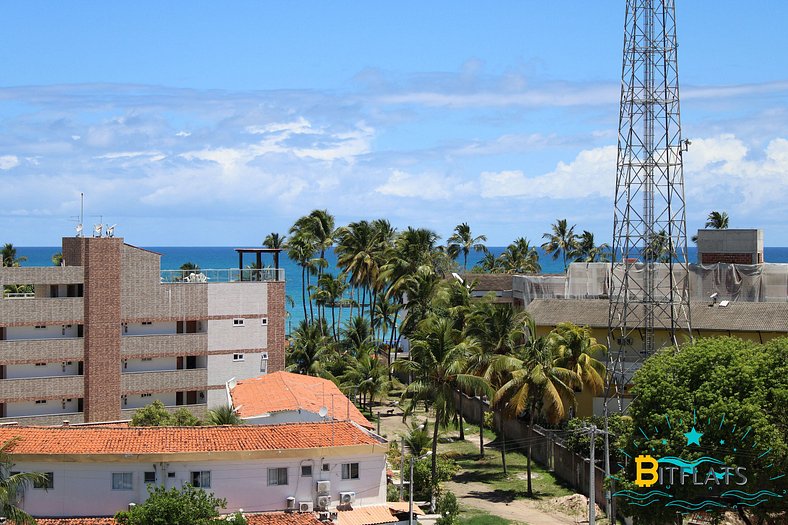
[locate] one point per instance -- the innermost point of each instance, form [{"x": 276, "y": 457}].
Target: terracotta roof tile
[
  {"x": 285, "y": 391},
  {"x": 162, "y": 440},
  {"x": 375, "y": 514}
]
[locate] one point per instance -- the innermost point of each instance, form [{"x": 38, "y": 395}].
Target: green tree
[
  {"x": 11, "y": 485},
  {"x": 9, "y": 258},
  {"x": 185, "y": 506},
  {"x": 57, "y": 258},
  {"x": 357, "y": 256},
  {"x": 519, "y": 257},
  {"x": 367, "y": 376},
  {"x": 463, "y": 241},
  {"x": 223, "y": 415},
  {"x": 449, "y": 509},
  {"x": 438, "y": 352},
  {"x": 586, "y": 249},
  {"x": 418, "y": 438},
  {"x": 156, "y": 415},
  {"x": 573, "y": 348},
  {"x": 301, "y": 250},
  {"x": 311, "y": 351},
  {"x": 717, "y": 220},
  {"x": 744, "y": 382},
  {"x": 561, "y": 241},
  {"x": 274, "y": 240}
]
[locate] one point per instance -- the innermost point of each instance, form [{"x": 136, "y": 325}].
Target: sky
[{"x": 215, "y": 123}]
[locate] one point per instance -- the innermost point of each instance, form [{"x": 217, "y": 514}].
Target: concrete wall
[
  {"x": 155, "y": 328},
  {"x": 50, "y": 369},
  {"x": 85, "y": 489},
  {"x": 52, "y": 406}
]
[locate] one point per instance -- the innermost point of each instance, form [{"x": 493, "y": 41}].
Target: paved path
[{"x": 480, "y": 496}]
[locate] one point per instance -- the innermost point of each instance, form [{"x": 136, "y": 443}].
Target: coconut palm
[
  {"x": 438, "y": 353},
  {"x": 11, "y": 485},
  {"x": 357, "y": 256},
  {"x": 561, "y": 241},
  {"x": 310, "y": 351},
  {"x": 418, "y": 438},
  {"x": 573, "y": 348},
  {"x": 463, "y": 241},
  {"x": 534, "y": 384},
  {"x": 274, "y": 240},
  {"x": 301, "y": 250},
  {"x": 368, "y": 376},
  {"x": 57, "y": 258},
  {"x": 717, "y": 220},
  {"x": 224, "y": 415},
  {"x": 520, "y": 257},
  {"x": 488, "y": 264},
  {"x": 330, "y": 291},
  {"x": 660, "y": 249},
  {"x": 9, "y": 258},
  {"x": 586, "y": 249}
]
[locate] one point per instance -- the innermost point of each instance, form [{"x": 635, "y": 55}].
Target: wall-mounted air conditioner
[
  {"x": 290, "y": 503},
  {"x": 323, "y": 487},
  {"x": 304, "y": 506},
  {"x": 347, "y": 497},
  {"x": 323, "y": 502}
]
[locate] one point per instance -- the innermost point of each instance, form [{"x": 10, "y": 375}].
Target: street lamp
[{"x": 410, "y": 486}]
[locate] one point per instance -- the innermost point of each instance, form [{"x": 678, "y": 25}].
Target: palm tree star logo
[{"x": 693, "y": 437}]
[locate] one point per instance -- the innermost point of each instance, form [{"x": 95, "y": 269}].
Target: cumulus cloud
[
  {"x": 8, "y": 161},
  {"x": 427, "y": 186},
  {"x": 591, "y": 174}
]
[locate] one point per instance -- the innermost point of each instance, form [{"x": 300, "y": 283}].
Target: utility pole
[
  {"x": 592, "y": 480},
  {"x": 410, "y": 490},
  {"x": 401, "y": 466}
]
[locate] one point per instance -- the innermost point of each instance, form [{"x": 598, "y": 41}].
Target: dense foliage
[
  {"x": 735, "y": 393},
  {"x": 157, "y": 415},
  {"x": 187, "y": 506}
]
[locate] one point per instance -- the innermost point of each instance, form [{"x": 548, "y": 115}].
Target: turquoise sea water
[{"x": 216, "y": 257}]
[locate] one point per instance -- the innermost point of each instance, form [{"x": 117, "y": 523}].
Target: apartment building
[
  {"x": 108, "y": 332},
  {"x": 98, "y": 471}
]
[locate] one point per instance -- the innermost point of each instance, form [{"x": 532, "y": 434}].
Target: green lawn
[
  {"x": 489, "y": 469},
  {"x": 476, "y": 517}
]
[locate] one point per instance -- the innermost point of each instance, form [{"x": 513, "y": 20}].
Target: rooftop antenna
[
  {"x": 111, "y": 231},
  {"x": 81, "y": 213}
]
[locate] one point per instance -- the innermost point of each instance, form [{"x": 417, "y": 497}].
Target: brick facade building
[{"x": 108, "y": 332}]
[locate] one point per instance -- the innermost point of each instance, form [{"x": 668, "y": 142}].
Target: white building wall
[
  {"x": 234, "y": 298},
  {"x": 52, "y": 369},
  {"x": 54, "y": 331},
  {"x": 223, "y": 367},
  {"x": 31, "y": 408},
  {"x": 224, "y": 334},
  {"x": 85, "y": 489}
]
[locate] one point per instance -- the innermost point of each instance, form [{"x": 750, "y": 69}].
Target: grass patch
[
  {"x": 477, "y": 517},
  {"x": 489, "y": 470}
]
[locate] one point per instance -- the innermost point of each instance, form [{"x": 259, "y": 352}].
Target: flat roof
[{"x": 258, "y": 250}]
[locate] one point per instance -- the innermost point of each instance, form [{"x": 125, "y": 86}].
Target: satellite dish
[{"x": 323, "y": 412}]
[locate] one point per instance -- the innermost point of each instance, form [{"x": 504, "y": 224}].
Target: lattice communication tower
[{"x": 649, "y": 289}]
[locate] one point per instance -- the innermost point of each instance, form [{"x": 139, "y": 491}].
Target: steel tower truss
[{"x": 649, "y": 288}]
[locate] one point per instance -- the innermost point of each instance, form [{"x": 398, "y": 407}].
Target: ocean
[{"x": 218, "y": 257}]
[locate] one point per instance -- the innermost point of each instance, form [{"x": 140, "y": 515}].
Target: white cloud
[
  {"x": 8, "y": 161},
  {"x": 591, "y": 174},
  {"x": 183, "y": 134},
  {"x": 428, "y": 186}
]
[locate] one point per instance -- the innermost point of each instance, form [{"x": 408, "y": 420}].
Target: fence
[{"x": 545, "y": 449}]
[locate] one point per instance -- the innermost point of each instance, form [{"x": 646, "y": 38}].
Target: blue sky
[{"x": 204, "y": 123}]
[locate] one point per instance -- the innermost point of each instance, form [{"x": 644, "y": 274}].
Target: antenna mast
[{"x": 649, "y": 288}]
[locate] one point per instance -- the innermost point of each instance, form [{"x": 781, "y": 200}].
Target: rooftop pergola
[{"x": 258, "y": 252}]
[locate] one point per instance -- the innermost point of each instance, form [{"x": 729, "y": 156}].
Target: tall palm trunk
[
  {"x": 303, "y": 289},
  {"x": 481, "y": 429},
  {"x": 434, "y": 470},
  {"x": 503, "y": 446},
  {"x": 530, "y": 441},
  {"x": 363, "y": 299},
  {"x": 462, "y": 423},
  {"x": 334, "y": 321},
  {"x": 311, "y": 312}
]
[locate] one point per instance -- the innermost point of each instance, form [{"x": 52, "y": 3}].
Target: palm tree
[
  {"x": 187, "y": 268},
  {"x": 329, "y": 292},
  {"x": 463, "y": 241},
  {"x": 536, "y": 385},
  {"x": 356, "y": 255},
  {"x": 367, "y": 376},
  {"x": 9, "y": 258},
  {"x": 520, "y": 257},
  {"x": 224, "y": 415},
  {"x": 561, "y": 242},
  {"x": 717, "y": 220},
  {"x": 13, "y": 484},
  {"x": 57, "y": 258},
  {"x": 573, "y": 348},
  {"x": 300, "y": 249},
  {"x": 660, "y": 249},
  {"x": 438, "y": 352},
  {"x": 310, "y": 351},
  {"x": 418, "y": 438},
  {"x": 586, "y": 249},
  {"x": 274, "y": 240},
  {"x": 489, "y": 264}
]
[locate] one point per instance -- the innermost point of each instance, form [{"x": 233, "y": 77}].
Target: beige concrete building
[{"x": 108, "y": 332}]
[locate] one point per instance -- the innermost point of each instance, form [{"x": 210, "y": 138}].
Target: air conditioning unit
[
  {"x": 333, "y": 515},
  {"x": 323, "y": 502},
  {"x": 324, "y": 516},
  {"x": 290, "y": 503},
  {"x": 347, "y": 497},
  {"x": 323, "y": 487},
  {"x": 304, "y": 506}
]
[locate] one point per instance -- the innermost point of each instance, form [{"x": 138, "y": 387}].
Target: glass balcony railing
[{"x": 222, "y": 275}]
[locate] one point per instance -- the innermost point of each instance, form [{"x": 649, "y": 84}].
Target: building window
[
  {"x": 264, "y": 363},
  {"x": 238, "y": 357},
  {"x": 238, "y": 322},
  {"x": 201, "y": 479},
  {"x": 306, "y": 471},
  {"x": 263, "y": 321},
  {"x": 48, "y": 483},
  {"x": 122, "y": 481},
  {"x": 146, "y": 395},
  {"x": 326, "y": 467},
  {"x": 147, "y": 323},
  {"x": 40, "y": 326},
  {"x": 277, "y": 476},
  {"x": 150, "y": 476},
  {"x": 41, "y": 364},
  {"x": 349, "y": 470},
  {"x": 41, "y": 401},
  {"x": 147, "y": 359}
]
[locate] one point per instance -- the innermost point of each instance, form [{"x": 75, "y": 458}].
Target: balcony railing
[
  {"x": 222, "y": 275},
  {"x": 50, "y": 387}
]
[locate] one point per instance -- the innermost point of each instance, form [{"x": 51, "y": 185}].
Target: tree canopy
[{"x": 185, "y": 506}]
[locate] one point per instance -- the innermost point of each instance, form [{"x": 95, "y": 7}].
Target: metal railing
[
  {"x": 222, "y": 275},
  {"x": 16, "y": 295}
]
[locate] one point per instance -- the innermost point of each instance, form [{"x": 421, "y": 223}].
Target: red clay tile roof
[
  {"x": 375, "y": 514},
  {"x": 163, "y": 440},
  {"x": 285, "y": 391},
  {"x": 266, "y": 518}
]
